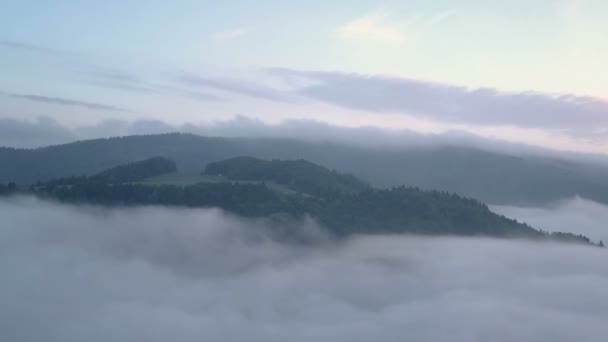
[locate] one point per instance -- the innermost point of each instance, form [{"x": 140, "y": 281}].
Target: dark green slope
[
  {"x": 491, "y": 177},
  {"x": 137, "y": 171},
  {"x": 341, "y": 203},
  {"x": 298, "y": 175}
]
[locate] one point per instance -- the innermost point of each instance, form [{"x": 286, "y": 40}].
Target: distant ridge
[{"x": 491, "y": 177}]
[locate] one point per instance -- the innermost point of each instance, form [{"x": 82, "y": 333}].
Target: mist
[
  {"x": 74, "y": 273},
  {"x": 576, "y": 215},
  {"x": 46, "y": 131}
]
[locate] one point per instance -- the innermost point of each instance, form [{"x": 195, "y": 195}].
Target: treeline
[
  {"x": 570, "y": 237},
  {"x": 411, "y": 210},
  {"x": 242, "y": 199},
  {"x": 372, "y": 211}
]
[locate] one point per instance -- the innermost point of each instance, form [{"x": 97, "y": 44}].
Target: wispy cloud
[
  {"x": 36, "y": 49},
  {"x": 440, "y": 17},
  {"x": 11, "y": 44},
  {"x": 223, "y": 36},
  {"x": 376, "y": 27},
  {"x": 65, "y": 102},
  {"x": 236, "y": 86},
  {"x": 574, "y": 115},
  {"x": 121, "y": 80}
]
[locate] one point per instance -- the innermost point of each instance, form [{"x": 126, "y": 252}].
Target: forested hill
[
  {"x": 491, "y": 177},
  {"x": 127, "y": 173},
  {"x": 137, "y": 171},
  {"x": 298, "y": 175},
  {"x": 256, "y": 188}
]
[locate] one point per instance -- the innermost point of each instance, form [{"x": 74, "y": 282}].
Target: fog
[
  {"x": 161, "y": 274},
  {"x": 577, "y": 215},
  {"x": 47, "y": 131}
]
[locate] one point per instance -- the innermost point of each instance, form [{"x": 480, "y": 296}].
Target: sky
[{"x": 524, "y": 71}]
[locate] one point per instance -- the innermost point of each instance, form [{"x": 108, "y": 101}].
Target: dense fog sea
[{"x": 76, "y": 273}]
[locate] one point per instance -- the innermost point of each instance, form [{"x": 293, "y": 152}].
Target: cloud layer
[
  {"x": 42, "y": 132},
  {"x": 576, "y": 215},
  {"x": 234, "y": 86},
  {"x": 574, "y": 115},
  {"x": 65, "y": 102},
  {"x": 374, "y": 27},
  {"x": 45, "y": 131},
  {"x": 157, "y": 274}
]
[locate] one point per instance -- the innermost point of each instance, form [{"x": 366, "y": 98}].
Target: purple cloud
[{"x": 483, "y": 106}]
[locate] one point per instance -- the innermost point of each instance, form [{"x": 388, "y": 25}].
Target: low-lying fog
[
  {"x": 159, "y": 274},
  {"x": 576, "y": 215}
]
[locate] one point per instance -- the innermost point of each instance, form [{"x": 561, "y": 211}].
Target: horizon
[{"x": 519, "y": 72}]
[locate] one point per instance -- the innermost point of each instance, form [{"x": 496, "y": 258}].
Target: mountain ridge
[{"x": 490, "y": 177}]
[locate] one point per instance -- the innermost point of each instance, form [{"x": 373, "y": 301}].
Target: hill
[
  {"x": 494, "y": 178},
  {"x": 298, "y": 175},
  {"x": 137, "y": 171},
  {"x": 346, "y": 207}
]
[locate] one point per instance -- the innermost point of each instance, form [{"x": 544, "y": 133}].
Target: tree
[{"x": 601, "y": 244}]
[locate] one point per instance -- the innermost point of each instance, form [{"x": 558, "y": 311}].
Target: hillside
[
  {"x": 490, "y": 177},
  {"x": 345, "y": 208},
  {"x": 298, "y": 175},
  {"x": 137, "y": 171}
]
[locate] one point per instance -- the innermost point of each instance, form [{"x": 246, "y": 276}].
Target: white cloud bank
[
  {"x": 577, "y": 116},
  {"x": 157, "y": 274},
  {"x": 375, "y": 27},
  {"x": 576, "y": 215}
]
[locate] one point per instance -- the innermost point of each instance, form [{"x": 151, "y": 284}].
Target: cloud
[
  {"x": 121, "y": 80},
  {"x": 49, "y": 53},
  {"x": 46, "y": 131},
  {"x": 232, "y": 34},
  {"x": 569, "y": 114},
  {"x": 237, "y": 86},
  {"x": 374, "y": 27},
  {"x": 158, "y": 274},
  {"x": 98, "y": 76},
  {"x": 11, "y": 44},
  {"x": 65, "y": 102},
  {"x": 126, "y": 81},
  {"x": 440, "y": 17},
  {"x": 579, "y": 215}
]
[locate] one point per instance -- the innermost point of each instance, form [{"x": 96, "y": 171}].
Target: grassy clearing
[
  {"x": 183, "y": 179},
  {"x": 177, "y": 178}
]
